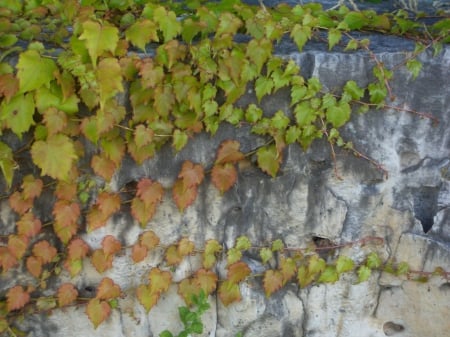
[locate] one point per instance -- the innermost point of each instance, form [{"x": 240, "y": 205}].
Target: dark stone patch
[{"x": 425, "y": 206}]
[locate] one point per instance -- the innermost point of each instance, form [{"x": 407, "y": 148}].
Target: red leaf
[
  {"x": 7, "y": 260},
  {"x": 149, "y": 192},
  {"x": 17, "y": 298},
  {"x": 229, "y": 152},
  {"x": 138, "y": 252},
  {"x": 229, "y": 292},
  {"x": 237, "y": 272},
  {"x": 107, "y": 289},
  {"x": 77, "y": 249},
  {"x": 9, "y": 85},
  {"x": 192, "y": 174},
  {"x": 29, "y": 225},
  {"x": 142, "y": 212},
  {"x": 108, "y": 203},
  {"x": 224, "y": 176},
  {"x": 32, "y": 187},
  {"x": 67, "y": 294},
  {"x": 149, "y": 239},
  {"x": 182, "y": 196},
  {"x": 97, "y": 311},
  {"x": 206, "y": 280},
  {"x": 19, "y": 204},
  {"x": 44, "y": 251},
  {"x": 34, "y": 266},
  {"x": 17, "y": 245},
  {"x": 103, "y": 167},
  {"x": 101, "y": 261},
  {"x": 147, "y": 297},
  {"x": 111, "y": 245},
  {"x": 273, "y": 281}
]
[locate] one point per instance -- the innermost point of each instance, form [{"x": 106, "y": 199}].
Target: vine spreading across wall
[{"x": 64, "y": 69}]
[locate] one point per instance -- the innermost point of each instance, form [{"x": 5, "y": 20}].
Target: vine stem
[{"x": 380, "y": 167}]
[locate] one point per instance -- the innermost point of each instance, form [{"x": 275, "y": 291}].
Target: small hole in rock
[
  {"x": 391, "y": 328},
  {"x": 445, "y": 287},
  {"x": 425, "y": 206}
]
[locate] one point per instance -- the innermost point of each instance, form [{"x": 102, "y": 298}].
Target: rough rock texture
[{"x": 410, "y": 210}]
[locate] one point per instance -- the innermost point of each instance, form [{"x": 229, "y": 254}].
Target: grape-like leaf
[
  {"x": 31, "y": 187},
  {"x": 304, "y": 278},
  {"x": 99, "y": 39},
  {"x": 273, "y": 281},
  {"x": 138, "y": 252},
  {"x": 142, "y": 212},
  {"x": 224, "y": 176},
  {"x": 19, "y": 204},
  {"x": 277, "y": 245},
  {"x": 316, "y": 265},
  {"x": 344, "y": 264},
  {"x": 34, "y": 71},
  {"x": 269, "y": 159},
  {"x": 338, "y": 114},
  {"x": 233, "y": 255},
  {"x": 7, "y": 163},
  {"x": 212, "y": 247},
  {"x": 108, "y": 203},
  {"x": 334, "y": 36},
  {"x": 414, "y": 66},
  {"x": 67, "y": 294},
  {"x": 329, "y": 275},
  {"x": 7, "y": 260},
  {"x": 243, "y": 243},
  {"x": 34, "y": 266},
  {"x": 44, "y": 251},
  {"x": 265, "y": 254},
  {"x": 111, "y": 245},
  {"x": 149, "y": 239},
  {"x": 17, "y": 245},
  {"x": 55, "y": 120},
  {"x": 183, "y": 197},
  {"x": 147, "y": 297},
  {"x": 73, "y": 266},
  {"x": 253, "y": 113},
  {"x": 101, "y": 261},
  {"x": 172, "y": 256},
  {"x": 300, "y": 34},
  {"x": 97, "y": 311},
  {"x": 9, "y": 85},
  {"x": 237, "y": 272},
  {"x": 55, "y": 156},
  {"x": 107, "y": 289},
  {"x": 192, "y": 174},
  {"x": 141, "y": 33},
  {"x": 29, "y": 225},
  {"x": 229, "y": 152},
  {"x": 159, "y": 280},
  {"x": 16, "y": 298},
  {"x": 18, "y": 113},
  {"x": 187, "y": 288},
  {"x": 352, "y": 88},
  {"x": 66, "y": 215},
  {"x": 206, "y": 280},
  {"x": 263, "y": 86},
  {"x": 109, "y": 78},
  {"x": 229, "y": 292},
  {"x": 143, "y": 135},
  {"x": 103, "y": 167},
  {"x": 77, "y": 249},
  {"x": 149, "y": 191},
  {"x": 288, "y": 268},
  {"x": 185, "y": 247},
  {"x": 373, "y": 261},
  {"x": 363, "y": 273},
  {"x": 167, "y": 23}
]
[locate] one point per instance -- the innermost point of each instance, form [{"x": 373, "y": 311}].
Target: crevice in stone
[
  {"x": 391, "y": 328},
  {"x": 425, "y": 200}
]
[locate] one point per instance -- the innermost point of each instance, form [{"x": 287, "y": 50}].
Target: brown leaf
[
  {"x": 29, "y": 225},
  {"x": 9, "y": 85},
  {"x": 66, "y": 294},
  {"x": 185, "y": 247},
  {"x": 7, "y": 260},
  {"x": 103, "y": 167},
  {"x": 44, "y": 251},
  {"x": 173, "y": 257},
  {"x": 17, "y": 245},
  {"x": 142, "y": 212},
  {"x": 273, "y": 281},
  {"x": 101, "y": 261},
  {"x": 149, "y": 239},
  {"x": 159, "y": 280},
  {"x": 238, "y": 271},
  {"x": 147, "y": 297},
  {"x": 224, "y": 176},
  {"x": 111, "y": 245},
  {"x": 34, "y": 266},
  {"x": 77, "y": 249},
  {"x": 206, "y": 280},
  {"x": 229, "y": 292},
  {"x": 138, "y": 252},
  {"x": 108, "y": 203},
  {"x": 31, "y": 187},
  {"x": 183, "y": 197},
  {"x": 19, "y": 204},
  {"x": 229, "y": 152},
  {"x": 16, "y": 298},
  {"x": 66, "y": 190},
  {"x": 192, "y": 174},
  {"x": 188, "y": 288},
  {"x": 149, "y": 192},
  {"x": 95, "y": 219}
]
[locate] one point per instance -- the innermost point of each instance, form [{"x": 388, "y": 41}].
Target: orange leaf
[
  {"x": 182, "y": 196},
  {"x": 149, "y": 239},
  {"x": 159, "y": 280},
  {"x": 34, "y": 266},
  {"x": 97, "y": 311},
  {"x": 173, "y": 256},
  {"x": 237, "y": 272},
  {"x": 67, "y": 294},
  {"x": 103, "y": 167},
  {"x": 185, "y": 247},
  {"x": 147, "y": 297},
  {"x": 142, "y": 212},
  {"x": 273, "y": 280},
  {"x": 108, "y": 203},
  {"x": 229, "y": 292},
  {"x": 187, "y": 288},
  {"x": 206, "y": 280},
  {"x": 19, "y": 204},
  {"x": 16, "y": 298},
  {"x": 95, "y": 219},
  {"x": 32, "y": 187},
  {"x": 66, "y": 190},
  {"x": 7, "y": 260},
  {"x": 101, "y": 261},
  {"x": 29, "y": 225},
  {"x": 224, "y": 176},
  {"x": 192, "y": 174},
  {"x": 107, "y": 289},
  {"x": 111, "y": 245},
  {"x": 44, "y": 251},
  {"x": 138, "y": 252},
  {"x": 66, "y": 213},
  {"x": 229, "y": 152},
  {"x": 149, "y": 192},
  {"x": 17, "y": 245},
  {"x": 77, "y": 249}
]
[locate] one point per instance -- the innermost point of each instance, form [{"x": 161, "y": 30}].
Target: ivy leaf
[
  {"x": 77, "y": 249},
  {"x": 147, "y": 297},
  {"x": 377, "y": 93},
  {"x": 66, "y": 294},
  {"x": 44, "y": 251},
  {"x": 187, "y": 289},
  {"x": 172, "y": 256},
  {"x": 344, "y": 264},
  {"x": 414, "y": 66},
  {"x": 18, "y": 113},
  {"x": 17, "y": 245},
  {"x": 107, "y": 289},
  {"x": 212, "y": 247},
  {"x": 183, "y": 197},
  {"x": 185, "y": 247},
  {"x": 266, "y": 254},
  {"x": 159, "y": 280},
  {"x": 138, "y": 252},
  {"x": 109, "y": 78},
  {"x": 268, "y": 159},
  {"x": 141, "y": 211},
  {"x": 167, "y": 22},
  {"x": 141, "y": 33},
  {"x": 7, "y": 163},
  {"x": 180, "y": 139},
  {"x": 259, "y": 51},
  {"x": 149, "y": 239},
  {"x": 143, "y": 135},
  {"x": 263, "y": 86},
  {"x": 373, "y": 261},
  {"x": 288, "y": 269},
  {"x": 97, "y": 311},
  {"x": 206, "y": 280},
  {"x": 363, "y": 273},
  {"x": 229, "y": 152},
  {"x": 9, "y": 86},
  {"x": 273, "y": 281},
  {"x": 338, "y": 114},
  {"x": 55, "y": 156},
  {"x": 334, "y": 36},
  {"x": 329, "y": 275},
  {"x": 192, "y": 174},
  {"x": 243, "y": 243},
  {"x": 253, "y": 113},
  {"x": 279, "y": 121},
  {"x": 304, "y": 278},
  {"x": 233, "y": 255},
  {"x": 224, "y": 176},
  {"x": 352, "y": 88},
  {"x": 66, "y": 215},
  {"x": 73, "y": 266},
  {"x": 316, "y": 265},
  {"x": 55, "y": 120},
  {"x": 229, "y": 292},
  {"x": 34, "y": 266},
  {"x": 29, "y": 225},
  {"x": 108, "y": 203},
  {"x": 19, "y": 204},
  {"x": 103, "y": 167},
  {"x": 16, "y": 298},
  {"x": 111, "y": 245},
  {"x": 237, "y": 272},
  {"x": 101, "y": 261},
  {"x": 34, "y": 71},
  {"x": 352, "y": 45},
  {"x": 300, "y": 34},
  {"x": 99, "y": 39},
  {"x": 402, "y": 269},
  {"x": 355, "y": 20},
  {"x": 7, "y": 260}
]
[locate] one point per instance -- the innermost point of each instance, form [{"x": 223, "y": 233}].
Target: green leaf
[
  {"x": 414, "y": 66},
  {"x": 373, "y": 261},
  {"x": 34, "y": 71},
  {"x": 300, "y": 34},
  {"x": 98, "y": 39},
  {"x": 277, "y": 245},
  {"x": 339, "y": 114},
  {"x": 166, "y": 333},
  {"x": 268, "y": 159},
  {"x": 265, "y": 254},
  {"x": 352, "y": 88},
  {"x": 141, "y": 33},
  {"x": 352, "y": 45},
  {"x": 180, "y": 139},
  {"x": 259, "y": 51},
  {"x": 167, "y": 22},
  {"x": 7, "y": 40},
  {"x": 334, "y": 36},
  {"x": 363, "y": 274},
  {"x": 253, "y": 113},
  {"x": 109, "y": 75},
  {"x": 292, "y": 134},
  {"x": 263, "y": 86},
  {"x": 233, "y": 255},
  {"x": 279, "y": 121},
  {"x": 55, "y": 156},
  {"x": 402, "y": 268},
  {"x": 7, "y": 163},
  {"x": 329, "y": 275},
  {"x": 243, "y": 243},
  {"x": 304, "y": 113},
  {"x": 377, "y": 93},
  {"x": 18, "y": 113},
  {"x": 344, "y": 264},
  {"x": 355, "y": 20}
]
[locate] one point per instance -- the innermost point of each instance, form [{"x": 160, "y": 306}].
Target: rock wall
[{"x": 306, "y": 202}]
